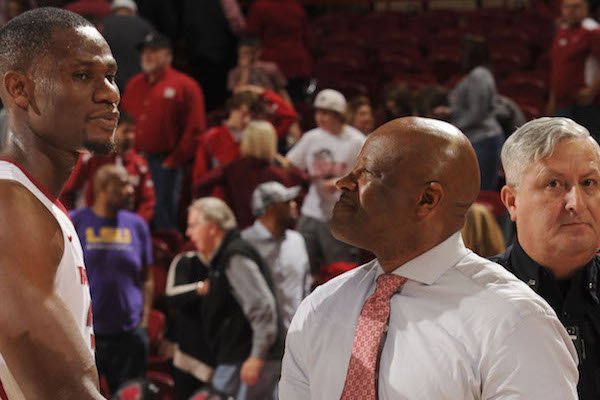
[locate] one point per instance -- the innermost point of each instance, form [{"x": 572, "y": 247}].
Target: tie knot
[{"x": 388, "y": 284}]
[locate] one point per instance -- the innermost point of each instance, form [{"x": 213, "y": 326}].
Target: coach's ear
[
  {"x": 16, "y": 85},
  {"x": 508, "y": 195},
  {"x": 430, "y": 198}
]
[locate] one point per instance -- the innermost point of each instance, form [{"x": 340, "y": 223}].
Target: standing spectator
[
  {"x": 360, "y": 114},
  {"x": 211, "y": 44},
  {"x": 161, "y": 15},
  {"x": 193, "y": 359},
  {"x": 282, "y": 249},
  {"x": 168, "y": 107},
  {"x": 281, "y": 27},
  {"x": 239, "y": 313},
  {"x": 250, "y": 70},
  {"x": 552, "y": 168},
  {"x": 570, "y": 95},
  {"x": 124, "y": 30},
  {"x": 117, "y": 250},
  {"x": 472, "y": 109},
  {"x": 80, "y": 185},
  {"x": 239, "y": 178},
  {"x": 327, "y": 153}
]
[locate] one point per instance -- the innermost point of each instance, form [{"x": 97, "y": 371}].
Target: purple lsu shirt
[{"x": 115, "y": 251}]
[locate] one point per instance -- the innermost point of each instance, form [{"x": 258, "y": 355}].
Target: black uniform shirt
[{"x": 575, "y": 301}]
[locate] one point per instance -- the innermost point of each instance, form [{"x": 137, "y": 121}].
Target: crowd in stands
[{"x": 237, "y": 119}]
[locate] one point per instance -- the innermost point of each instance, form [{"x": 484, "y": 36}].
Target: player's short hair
[{"x": 29, "y": 35}]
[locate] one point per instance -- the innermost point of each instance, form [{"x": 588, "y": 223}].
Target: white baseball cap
[
  {"x": 332, "y": 100},
  {"x": 269, "y": 193},
  {"x": 124, "y": 4}
]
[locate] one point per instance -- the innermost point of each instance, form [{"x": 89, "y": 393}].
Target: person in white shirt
[
  {"x": 460, "y": 327},
  {"x": 326, "y": 153},
  {"x": 282, "y": 248}
]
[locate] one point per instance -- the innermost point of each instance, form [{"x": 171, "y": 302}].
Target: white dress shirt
[{"x": 462, "y": 328}]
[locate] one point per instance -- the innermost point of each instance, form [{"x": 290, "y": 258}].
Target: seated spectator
[
  {"x": 360, "y": 114},
  {"x": 117, "y": 250},
  {"x": 221, "y": 144},
  {"x": 80, "y": 184},
  {"x": 482, "y": 233},
  {"x": 238, "y": 179},
  {"x": 397, "y": 102},
  {"x": 282, "y": 248},
  {"x": 428, "y": 98},
  {"x": 250, "y": 70}
]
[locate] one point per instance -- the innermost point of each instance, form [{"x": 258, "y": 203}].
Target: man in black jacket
[
  {"x": 239, "y": 312},
  {"x": 552, "y": 168}
]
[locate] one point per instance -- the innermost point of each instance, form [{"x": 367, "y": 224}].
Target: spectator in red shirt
[
  {"x": 281, "y": 26},
  {"x": 239, "y": 178},
  {"x": 169, "y": 110},
  {"x": 221, "y": 144},
  {"x": 570, "y": 95},
  {"x": 79, "y": 189}
]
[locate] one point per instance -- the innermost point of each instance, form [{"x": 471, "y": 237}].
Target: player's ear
[{"x": 15, "y": 86}]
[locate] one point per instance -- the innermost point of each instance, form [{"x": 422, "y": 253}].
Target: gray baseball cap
[{"x": 269, "y": 193}]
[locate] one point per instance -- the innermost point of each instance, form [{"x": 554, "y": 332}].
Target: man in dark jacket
[
  {"x": 239, "y": 312},
  {"x": 552, "y": 168}
]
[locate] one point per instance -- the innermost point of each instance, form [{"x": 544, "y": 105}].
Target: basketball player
[{"x": 57, "y": 85}]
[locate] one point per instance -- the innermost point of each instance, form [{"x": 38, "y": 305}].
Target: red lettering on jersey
[
  {"x": 90, "y": 318},
  {"x": 93, "y": 341},
  {"x": 3, "y": 395},
  {"x": 70, "y": 238},
  {"x": 83, "y": 276}
]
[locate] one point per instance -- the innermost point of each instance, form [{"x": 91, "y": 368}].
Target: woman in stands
[
  {"x": 239, "y": 178},
  {"x": 472, "y": 109}
]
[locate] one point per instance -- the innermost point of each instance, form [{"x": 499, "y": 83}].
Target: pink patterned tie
[{"x": 361, "y": 377}]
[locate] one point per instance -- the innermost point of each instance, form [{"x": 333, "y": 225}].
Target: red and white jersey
[{"x": 70, "y": 283}]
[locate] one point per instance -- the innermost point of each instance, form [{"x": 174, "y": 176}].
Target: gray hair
[
  {"x": 216, "y": 211},
  {"x": 536, "y": 140}
]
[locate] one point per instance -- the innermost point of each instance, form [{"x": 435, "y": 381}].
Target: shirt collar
[
  {"x": 525, "y": 267},
  {"x": 528, "y": 270},
  {"x": 261, "y": 232},
  {"x": 429, "y": 266}
]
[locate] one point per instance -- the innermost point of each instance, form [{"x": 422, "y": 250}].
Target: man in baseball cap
[
  {"x": 327, "y": 153},
  {"x": 282, "y": 248}
]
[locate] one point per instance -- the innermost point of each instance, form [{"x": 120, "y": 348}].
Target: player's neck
[{"x": 48, "y": 165}]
